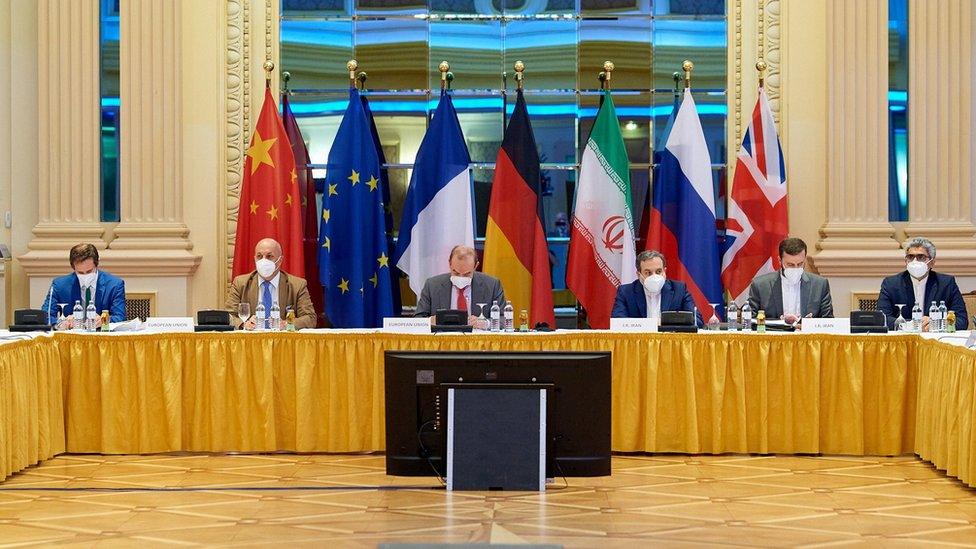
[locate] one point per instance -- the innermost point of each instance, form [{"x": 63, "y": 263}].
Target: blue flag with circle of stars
[{"x": 354, "y": 258}]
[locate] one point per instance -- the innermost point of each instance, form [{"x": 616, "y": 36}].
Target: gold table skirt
[{"x": 323, "y": 392}]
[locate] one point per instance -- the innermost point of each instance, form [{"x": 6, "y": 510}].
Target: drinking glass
[
  {"x": 483, "y": 320},
  {"x": 900, "y": 320},
  {"x": 713, "y": 321},
  {"x": 244, "y": 311},
  {"x": 59, "y": 324}
]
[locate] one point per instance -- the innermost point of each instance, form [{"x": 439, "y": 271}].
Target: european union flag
[{"x": 354, "y": 261}]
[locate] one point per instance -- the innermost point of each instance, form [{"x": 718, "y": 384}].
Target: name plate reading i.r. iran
[
  {"x": 645, "y": 325},
  {"x": 826, "y": 326},
  {"x": 406, "y": 325},
  {"x": 169, "y": 324}
]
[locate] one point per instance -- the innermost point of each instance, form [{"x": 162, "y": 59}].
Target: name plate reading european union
[
  {"x": 169, "y": 324},
  {"x": 645, "y": 325},
  {"x": 826, "y": 326},
  {"x": 406, "y": 325}
]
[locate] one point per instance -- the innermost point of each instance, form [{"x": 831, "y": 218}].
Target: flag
[
  {"x": 757, "y": 219},
  {"x": 438, "y": 212},
  {"x": 643, "y": 239},
  {"x": 387, "y": 209},
  {"x": 516, "y": 250},
  {"x": 353, "y": 256},
  {"x": 601, "y": 244},
  {"x": 306, "y": 190},
  {"x": 269, "y": 205},
  {"x": 682, "y": 223}
]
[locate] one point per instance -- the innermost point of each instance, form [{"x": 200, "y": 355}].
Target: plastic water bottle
[
  {"x": 509, "y": 317},
  {"x": 746, "y": 317},
  {"x": 274, "y": 322},
  {"x": 933, "y": 317},
  {"x": 732, "y": 317},
  {"x": 78, "y": 315},
  {"x": 90, "y": 315},
  {"x": 260, "y": 317},
  {"x": 496, "y": 313},
  {"x": 917, "y": 318},
  {"x": 943, "y": 314}
]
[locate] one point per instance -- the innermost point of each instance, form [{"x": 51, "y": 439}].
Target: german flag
[{"x": 515, "y": 241}]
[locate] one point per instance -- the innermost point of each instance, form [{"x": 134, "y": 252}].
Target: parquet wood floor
[{"x": 348, "y": 501}]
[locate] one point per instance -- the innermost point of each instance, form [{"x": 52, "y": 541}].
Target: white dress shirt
[
  {"x": 791, "y": 296},
  {"x": 653, "y": 302},
  {"x": 467, "y": 296},
  {"x": 919, "y": 287}
]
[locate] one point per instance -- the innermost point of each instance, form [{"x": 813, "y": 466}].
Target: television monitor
[{"x": 578, "y": 415}]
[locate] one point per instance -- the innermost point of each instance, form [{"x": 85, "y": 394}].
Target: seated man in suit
[
  {"x": 791, "y": 293},
  {"x": 461, "y": 288},
  {"x": 269, "y": 284},
  {"x": 652, "y": 292},
  {"x": 918, "y": 283},
  {"x": 87, "y": 284}
]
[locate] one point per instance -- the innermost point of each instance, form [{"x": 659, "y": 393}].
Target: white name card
[
  {"x": 169, "y": 324},
  {"x": 407, "y": 325},
  {"x": 647, "y": 325},
  {"x": 826, "y": 326}
]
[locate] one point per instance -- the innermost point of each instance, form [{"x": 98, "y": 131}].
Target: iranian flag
[{"x": 601, "y": 245}]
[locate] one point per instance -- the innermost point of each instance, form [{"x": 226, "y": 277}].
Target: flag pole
[
  {"x": 676, "y": 76},
  {"x": 608, "y": 70},
  {"x": 361, "y": 78},
  {"x": 444, "y": 66},
  {"x": 351, "y": 66},
  {"x": 285, "y": 77},
  {"x": 761, "y": 67},
  {"x": 268, "y": 69},
  {"x": 519, "y": 74},
  {"x": 687, "y": 66}
]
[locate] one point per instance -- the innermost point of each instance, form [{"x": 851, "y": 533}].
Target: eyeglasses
[{"x": 924, "y": 258}]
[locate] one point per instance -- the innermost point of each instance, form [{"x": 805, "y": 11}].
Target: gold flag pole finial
[
  {"x": 607, "y": 70},
  {"x": 519, "y": 70},
  {"x": 285, "y": 77},
  {"x": 351, "y": 66},
  {"x": 361, "y": 78},
  {"x": 687, "y": 66},
  {"x": 444, "y": 66},
  {"x": 268, "y": 68},
  {"x": 761, "y": 67}
]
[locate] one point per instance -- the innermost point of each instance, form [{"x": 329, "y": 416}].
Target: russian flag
[
  {"x": 682, "y": 223},
  {"x": 438, "y": 212}
]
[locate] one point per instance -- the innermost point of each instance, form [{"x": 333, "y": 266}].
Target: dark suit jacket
[
  {"x": 766, "y": 293},
  {"x": 436, "y": 294},
  {"x": 897, "y": 290},
  {"x": 631, "y": 303},
  {"x": 109, "y": 296},
  {"x": 292, "y": 292}
]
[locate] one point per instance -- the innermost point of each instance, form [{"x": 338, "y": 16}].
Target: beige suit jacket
[{"x": 292, "y": 292}]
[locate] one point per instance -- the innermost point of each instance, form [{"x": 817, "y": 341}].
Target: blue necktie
[{"x": 266, "y": 299}]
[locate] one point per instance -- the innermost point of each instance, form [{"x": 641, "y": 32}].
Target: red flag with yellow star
[{"x": 270, "y": 205}]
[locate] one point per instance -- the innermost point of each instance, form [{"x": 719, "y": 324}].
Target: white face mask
[
  {"x": 265, "y": 267},
  {"x": 793, "y": 274},
  {"x": 86, "y": 280},
  {"x": 917, "y": 268},
  {"x": 654, "y": 283},
  {"x": 461, "y": 282}
]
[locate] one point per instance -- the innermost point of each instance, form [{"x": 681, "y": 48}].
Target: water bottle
[
  {"x": 90, "y": 315},
  {"x": 917, "y": 318},
  {"x": 943, "y": 314},
  {"x": 78, "y": 316},
  {"x": 274, "y": 322},
  {"x": 933, "y": 317},
  {"x": 259, "y": 317},
  {"x": 509, "y": 317},
  {"x": 495, "y": 316},
  {"x": 746, "y": 317},
  {"x": 732, "y": 315}
]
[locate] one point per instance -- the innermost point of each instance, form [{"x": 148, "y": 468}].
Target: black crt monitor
[{"x": 578, "y": 415}]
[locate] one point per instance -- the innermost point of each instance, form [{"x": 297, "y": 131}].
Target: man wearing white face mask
[
  {"x": 87, "y": 284},
  {"x": 462, "y": 288},
  {"x": 268, "y": 284},
  {"x": 791, "y": 293},
  {"x": 652, "y": 292},
  {"x": 918, "y": 283}
]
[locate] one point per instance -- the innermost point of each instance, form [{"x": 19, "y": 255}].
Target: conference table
[{"x": 322, "y": 391}]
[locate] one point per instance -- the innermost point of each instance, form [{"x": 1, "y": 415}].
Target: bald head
[
  {"x": 463, "y": 260},
  {"x": 268, "y": 248}
]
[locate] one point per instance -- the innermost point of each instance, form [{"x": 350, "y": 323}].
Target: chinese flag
[{"x": 270, "y": 204}]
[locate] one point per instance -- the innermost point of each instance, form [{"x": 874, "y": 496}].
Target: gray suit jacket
[
  {"x": 766, "y": 293},
  {"x": 436, "y": 294}
]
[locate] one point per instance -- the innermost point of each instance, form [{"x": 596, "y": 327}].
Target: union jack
[{"x": 757, "y": 213}]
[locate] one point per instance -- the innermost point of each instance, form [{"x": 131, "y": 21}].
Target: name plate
[
  {"x": 169, "y": 324},
  {"x": 826, "y": 326},
  {"x": 646, "y": 325},
  {"x": 407, "y": 325}
]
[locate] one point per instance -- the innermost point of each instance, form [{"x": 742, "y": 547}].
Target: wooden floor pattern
[{"x": 348, "y": 501}]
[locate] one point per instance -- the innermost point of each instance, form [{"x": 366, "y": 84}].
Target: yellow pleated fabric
[{"x": 31, "y": 419}]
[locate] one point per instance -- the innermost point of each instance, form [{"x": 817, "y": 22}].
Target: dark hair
[
  {"x": 648, "y": 255},
  {"x": 82, "y": 252},
  {"x": 792, "y": 246}
]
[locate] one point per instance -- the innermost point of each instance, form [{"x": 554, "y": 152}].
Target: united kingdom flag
[{"x": 757, "y": 215}]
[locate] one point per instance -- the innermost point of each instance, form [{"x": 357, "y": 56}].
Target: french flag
[
  {"x": 438, "y": 212},
  {"x": 682, "y": 223}
]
